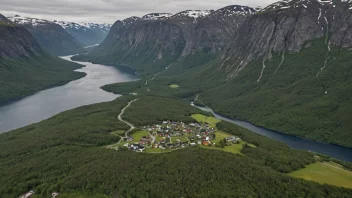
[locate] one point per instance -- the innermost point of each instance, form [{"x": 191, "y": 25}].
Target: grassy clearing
[
  {"x": 234, "y": 148},
  {"x": 174, "y": 86},
  {"x": 182, "y": 138},
  {"x": 118, "y": 133},
  {"x": 220, "y": 136},
  {"x": 325, "y": 173},
  {"x": 202, "y": 118},
  {"x": 159, "y": 138},
  {"x": 139, "y": 134}
]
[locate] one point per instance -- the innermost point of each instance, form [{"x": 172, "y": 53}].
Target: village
[{"x": 172, "y": 135}]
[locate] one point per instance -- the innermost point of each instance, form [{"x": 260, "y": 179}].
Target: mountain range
[
  {"x": 63, "y": 38},
  {"x": 284, "y": 67}
]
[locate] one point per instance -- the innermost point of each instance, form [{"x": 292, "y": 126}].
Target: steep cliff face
[
  {"x": 25, "y": 67},
  {"x": 51, "y": 36},
  {"x": 158, "y": 39},
  {"x": 214, "y": 31},
  {"x": 286, "y": 27},
  {"x": 15, "y": 41}
]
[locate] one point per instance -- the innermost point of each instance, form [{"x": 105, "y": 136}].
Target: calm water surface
[
  {"x": 47, "y": 103},
  {"x": 334, "y": 151}
]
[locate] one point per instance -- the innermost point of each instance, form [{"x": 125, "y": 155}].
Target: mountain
[
  {"x": 51, "y": 36},
  {"x": 284, "y": 67},
  {"x": 86, "y": 33},
  {"x": 25, "y": 67},
  {"x": 155, "y": 41}
]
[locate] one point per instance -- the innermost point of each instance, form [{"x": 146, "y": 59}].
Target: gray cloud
[{"x": 110, "y": 10}]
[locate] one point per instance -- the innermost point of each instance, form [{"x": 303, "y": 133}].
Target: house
[
  {"x": 233, "y": 139},
  {"x": 134, "y": 146},
  {"x": 192, "y": 144},
  {"x": 127, "y": 145},
  {"x": 130, "y": 139},
  {"x": 54, "y": 194},
  {"x": 169, "y": 145},
  {"x": 141, "y": 148},
  {"x": 205, "y": 143}
]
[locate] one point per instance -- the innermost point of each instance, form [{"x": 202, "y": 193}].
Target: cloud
[{"x": 110, "y": 10}]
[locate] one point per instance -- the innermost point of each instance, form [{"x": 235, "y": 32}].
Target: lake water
[
  {"x": 334, "y": 151},
  {"x": 47, "y": 103}
]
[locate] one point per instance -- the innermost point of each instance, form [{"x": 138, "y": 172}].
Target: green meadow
[{"x": 325, "y": 173}]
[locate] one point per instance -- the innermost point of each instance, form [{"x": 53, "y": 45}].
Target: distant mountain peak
[
  {"x": 3, "y": 18},
  {"x": 28, "y": 20},
  {"x": 36, "y": 22},
  {"x": 192, "y": 14},
  {"x": 104, "y": 27},
  {"x": 234, "y": 10},
  {"x": 130, "y": 20},
  {"x": 287, "y": 4},
  {"x": 156, "y": 16}
]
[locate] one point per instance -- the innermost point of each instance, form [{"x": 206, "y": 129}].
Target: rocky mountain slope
[
  {"x": 156, "y": 40},
  {"x": 287, "y": 27},
  {"x": 51, "y": 36},
  {"x": 86, "y": 33},
  {"x": 284, "y": 67},
  {"x": 25, "y": 67}
]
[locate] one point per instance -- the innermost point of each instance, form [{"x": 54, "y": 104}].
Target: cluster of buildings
[
  {"x": 140, "y": 146},
  {"x": 175, "y": 135}
]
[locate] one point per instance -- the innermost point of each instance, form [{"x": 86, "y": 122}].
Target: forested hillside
[
  {"x": 66, "y": 154},
  {"x": 285, "y": 67},
  {"x": 25, "y": 67}
]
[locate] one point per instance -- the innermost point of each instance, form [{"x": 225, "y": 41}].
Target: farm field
[
  {"x": 139, "y": 134},
  {"x": 205, "y": 119},
  {"x": 325, "y": 173},
  {"x": 174, "y": 86},
  {"x": 118, "y": 132}
]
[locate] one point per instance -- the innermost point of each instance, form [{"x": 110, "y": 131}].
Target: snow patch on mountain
[
  {"x": 233, "y": 10},
  {"x": 192, "y": 14},
  {"x": 286, "y": 4},
  {"x": 130, "y": 20},
  {"x": 36, "y": 22},
  {"x": 85, "y": 26},
  {"x": 27, "y": 20},
  {"x": 156, "y": 16}
]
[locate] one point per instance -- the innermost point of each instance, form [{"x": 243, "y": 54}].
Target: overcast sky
[{"x": 110, "y": 10}]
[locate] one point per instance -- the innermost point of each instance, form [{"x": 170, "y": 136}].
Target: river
[
  {"x": 331, "y": 150},
  {"x": 45, "y": 104}
]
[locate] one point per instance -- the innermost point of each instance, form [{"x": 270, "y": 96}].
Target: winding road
[{"x": 120, "y": 117}]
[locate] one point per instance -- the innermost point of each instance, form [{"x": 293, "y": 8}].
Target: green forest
[
  {"x": 291, "y": 99},
  {"x": 24, "y": 76},
  {"x": 67, "y": 154}
]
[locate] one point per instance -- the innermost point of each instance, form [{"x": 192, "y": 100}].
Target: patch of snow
[
  {"x": 156, "y": 16},
  {"x": 193, "y": 13}
]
